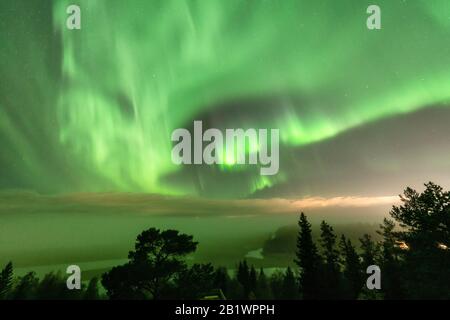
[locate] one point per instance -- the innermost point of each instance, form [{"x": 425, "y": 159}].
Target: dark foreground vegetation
[{"x": 413, "y": 255}]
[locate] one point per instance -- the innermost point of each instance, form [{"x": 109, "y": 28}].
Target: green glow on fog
[{"x": 138, "y": 70}]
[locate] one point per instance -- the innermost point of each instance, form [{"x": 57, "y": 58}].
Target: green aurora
[{"x": 93, "y": 109}]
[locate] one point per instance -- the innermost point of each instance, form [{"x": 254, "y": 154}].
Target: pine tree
[
  {"x": 158, "y": 257},
  {"x": 308, "y": 261},
  {"x": 276, "y": 284},
  {"x": 243, "y": 276},
  {"x": 6, "y": 278},
  {"x": 331, "y": 269},
  {"x": 91, "y": 292},
  {"x": 222, "y": 280},
  {"x": 424, "y": 219},
  {"x": 352, "y": 269},
  {"x": 262, "y": 287},
  {"x": 26, "y": 287},
  {"x": 290, "y": 288},
  {"x": 369, "y": 251},
  {"x": 252, "y": 279},
  {"x": 391, "y": 281}
]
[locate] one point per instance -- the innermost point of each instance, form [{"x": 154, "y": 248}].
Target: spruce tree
[
  {"x": 252, "y": 279},
  {"x": 331, "y": 269},
  {"x": 369, "y": 251},
  {"x": 308, "y": 261},
  {"x": 263, "y": 290},
  {"x": 25, "y": 288},
  {"x": 6, "y": 278},
  {"x": 352, "y": 269},
  {"x": 392, "y": 278},
  {"x": 243, "y": 276},
  {"x": 289, "y": 289},
  {"x": 222, "y": 280},
  {"x": 91, "y": 292}
]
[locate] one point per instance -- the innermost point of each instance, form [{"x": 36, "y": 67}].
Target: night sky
[{"x": 361, "y": 113}]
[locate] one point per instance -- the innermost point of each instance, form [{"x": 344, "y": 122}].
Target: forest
[{"x": 413, "y": 256}]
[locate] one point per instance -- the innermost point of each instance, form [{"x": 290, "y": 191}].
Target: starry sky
[{"x": 361, "y": 113}]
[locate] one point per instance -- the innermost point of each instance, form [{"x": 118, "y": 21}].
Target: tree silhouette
[
  {"x": 390, "y": 263},
  {"x": 276, "y": 284},
  {"x": 221, "y": 280},
  {"x": 6, "y": 278},
  {"x": 123, "y": 282},
  {"x": 26, "y": 287},
  {"x": 413, "y": 255},
  {"x": 243, "y": 276},
  {"x": 352, "y": 269},
  {"x": 242, "y": 273},
  {"x": 331, "y": 269},
  {"x": 157, "y": 258},
  {"x": 369, "y": 249},
  {"x": 194, "y": 282},
  {"x": 91, "y": 292},
  {"x": 262, "y": 286},
  {"x": 308, "y": 260},
  {"x": 424, "y": 219},
  {"x": 252, "y": 280},
  {"x": 289, "y": 289},
  {"x": 53, "y": 287},
  {"x": 424, "y": 216}
]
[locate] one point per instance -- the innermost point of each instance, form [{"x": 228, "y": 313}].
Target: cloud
[{"x": 17, "y": 202}]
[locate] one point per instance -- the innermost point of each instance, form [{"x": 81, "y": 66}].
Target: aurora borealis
[
  {"x": 86, "y": 118},
  {"x": 93, "y": 109}
]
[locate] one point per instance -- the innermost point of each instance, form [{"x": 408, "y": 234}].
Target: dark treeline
[
  {"x": 51, "y": 287},
  {"x": 413, "y": 256}
]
